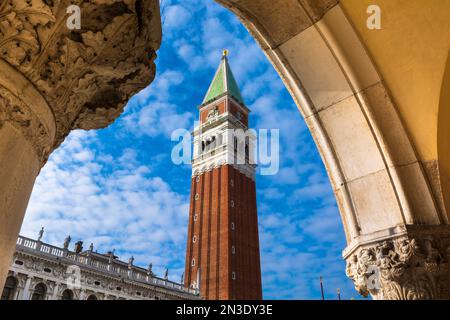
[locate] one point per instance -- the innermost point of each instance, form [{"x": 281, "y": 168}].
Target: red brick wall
[
  {"x": 234, "y": 109},
  {"x": 212, "y": 250}
]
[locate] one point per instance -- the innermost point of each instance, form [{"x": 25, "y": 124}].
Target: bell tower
[{"x": 222, "y": 256}]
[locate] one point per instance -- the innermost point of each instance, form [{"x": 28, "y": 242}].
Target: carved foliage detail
[
  {"x": 22, "y": 117},
  {"x": 402, "y": 269},
  {"x": 86, "y": 75},
  {"x": 19, "y": 38}
]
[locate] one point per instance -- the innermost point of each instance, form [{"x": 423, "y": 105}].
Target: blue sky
[{"x": 118, "y": 188}]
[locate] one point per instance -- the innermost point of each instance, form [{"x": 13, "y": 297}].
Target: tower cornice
[{"x": 219, "y": 99}]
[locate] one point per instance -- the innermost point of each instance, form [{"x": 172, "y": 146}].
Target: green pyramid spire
[{"x": 223, "y": 82}]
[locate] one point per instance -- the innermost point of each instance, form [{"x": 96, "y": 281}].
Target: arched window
[
  {"x": 39, "y": 292},
  {"x": 247, "y": 152},
  {"x": 9, "y": 289},
  {"x": 67, "y": 295},
  {"x": 92, "y": 297}
]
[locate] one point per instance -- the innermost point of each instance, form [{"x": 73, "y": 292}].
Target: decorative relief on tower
[
  {"x": 403, "y": 268},
  {"x": 85, "y": 75},
  {"x": 213, "y": 113}
]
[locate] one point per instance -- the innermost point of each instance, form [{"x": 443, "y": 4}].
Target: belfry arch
[{"x": 380, "y": 129}]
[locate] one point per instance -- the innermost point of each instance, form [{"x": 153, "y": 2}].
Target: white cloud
[
  {"x": 188, "y": 53},
  {"x": 324, "y": 224},
  {"x": 151, "y": 113},
  {"x": 157, "y": 118},
  {"x": 161, "y": 88},
  {"x": 272, "y": 193},
  {"x": 114, "y": 205},
  {"x": 175, "y": 17},
  {"x": 296, "y": 251},
  {"x": 313, "y": 191}
]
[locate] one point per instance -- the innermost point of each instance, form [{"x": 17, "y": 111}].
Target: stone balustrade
[{"x": 86, "y": 259}]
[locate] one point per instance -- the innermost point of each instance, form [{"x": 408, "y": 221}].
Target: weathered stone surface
[
  {"x": 54, "y": 79},
  {"x": 410, "y": 267},
  {"x": 281, "y": 20},
  {"x": 85, "y": 75},
  {"x": 19, "y": 167},
  {"x": 375, "y": 170}
]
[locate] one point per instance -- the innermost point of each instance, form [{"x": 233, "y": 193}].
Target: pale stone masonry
[
  {"x": 40, "y": 271},
  {"x": 379, "y": 117}
]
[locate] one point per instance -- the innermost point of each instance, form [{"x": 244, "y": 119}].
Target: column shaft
[{"x": 19, "y": 169}]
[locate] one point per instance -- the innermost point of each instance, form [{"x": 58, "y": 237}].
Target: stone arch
[
  {"x": 67, "y": 294},
  {"x": 443, "y": 137},
  {"x": 382, "y": 190},
  {"x": 39, "y": 292}
]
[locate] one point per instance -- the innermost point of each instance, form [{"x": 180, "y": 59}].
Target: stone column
[
  {"x": 55, "y": 292},
  {"x": 25, "y": 136},
  {"x": 26, "y": 290},
  {"x": 18, "y": 170},
  {"x": 54, "y": 79},
  {"x": 83, "y": 294}
]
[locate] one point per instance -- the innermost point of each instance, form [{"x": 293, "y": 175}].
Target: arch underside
[
  {"x": 383, "y": 191},
  {"x": 444, "y": 136}
]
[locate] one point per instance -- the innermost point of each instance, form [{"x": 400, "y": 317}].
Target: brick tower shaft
[{"x": 222, "y": 257}]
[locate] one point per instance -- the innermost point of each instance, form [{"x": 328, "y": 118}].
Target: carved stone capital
[
  {"x": 85, "y": 75},
  {"x": 408, "y": 267},
  {"x": 24, "y": 118}
]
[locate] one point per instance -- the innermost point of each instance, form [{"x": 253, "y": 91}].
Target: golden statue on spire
[{"x": 225, "y": 52}]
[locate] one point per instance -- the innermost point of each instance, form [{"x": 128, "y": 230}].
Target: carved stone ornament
[
  {"x": 83, "y": 76},
  {"x": 406, "y": 268},
  {"x": 213, "y": 113}
]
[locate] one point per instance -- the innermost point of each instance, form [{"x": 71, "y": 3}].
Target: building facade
[
  {"x": 223, "y": 259},
  {"x": 40, "y": 271}
]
